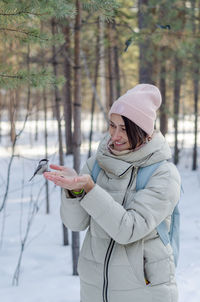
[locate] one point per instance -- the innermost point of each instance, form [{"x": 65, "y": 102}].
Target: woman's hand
[
  {"x": 63, "y": 171},
  {"x": 67, "y": 178}
]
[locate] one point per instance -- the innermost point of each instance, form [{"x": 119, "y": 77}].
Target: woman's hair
[{"x": 136, "y": 135}]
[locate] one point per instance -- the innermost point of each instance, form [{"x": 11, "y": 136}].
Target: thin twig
[
  {"x": 13, "y": 153},
  {"x": 24, "y": 243},
  {"x": 15, "y": 280}
]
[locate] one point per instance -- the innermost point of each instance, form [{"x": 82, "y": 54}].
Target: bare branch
[
  {"x": 13, "y": 148},
  {"x": 15, "y": 280}
]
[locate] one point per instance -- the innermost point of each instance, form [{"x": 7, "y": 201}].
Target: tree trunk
[
  {"x": 67, "y": 91},
  {"x": 12, "y": 116},
  {"x": 1, "y": 109},
  {"x": 44, "y": 96},
  {"x": 36, "y": 119},
  {"x": 163, "y": 113},
  {"x": 111, "y": 66},
  {"x": 57, "y": 96},
  {"x": 177, "y": 89},
  {"x": 95, "y": 85},
  {"x": 77, "y": 119},
  {"x": 116, "y": 63},
  {"x": 46, "y": 147},
  {"x": 57, "y": 111},
  {"x": 77, "y": 90},
  {"x": 145, "y": 45},
  {"x": 196, "y": 96},
  {"x": 196, "y": 75},
  {"x": 102, "y": 67}
]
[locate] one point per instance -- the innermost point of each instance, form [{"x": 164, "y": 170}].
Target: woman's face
[{"x": 118, "y": 134}]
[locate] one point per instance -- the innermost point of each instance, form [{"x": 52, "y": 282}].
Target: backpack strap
[
  {"x": 144, "y": 174},
  {"x": 95, "y": 171},
  {"x": 143, "y": 177},
  {"x": 163, "y": 232},
  {"x": 174, "y": 233}
]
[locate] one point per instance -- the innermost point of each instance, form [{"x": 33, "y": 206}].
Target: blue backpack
[{"x": 172, "y": 237}]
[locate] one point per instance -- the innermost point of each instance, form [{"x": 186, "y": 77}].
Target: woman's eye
[{"x": 111, "y": 125}]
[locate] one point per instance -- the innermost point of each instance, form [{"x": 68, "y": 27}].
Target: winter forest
[{"x": 62, "y": 65}]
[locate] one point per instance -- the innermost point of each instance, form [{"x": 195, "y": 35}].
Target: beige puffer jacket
[{"x": 121, "y": 248}]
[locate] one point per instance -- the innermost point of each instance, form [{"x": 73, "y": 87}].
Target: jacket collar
[{"x": 154, "y": 151}]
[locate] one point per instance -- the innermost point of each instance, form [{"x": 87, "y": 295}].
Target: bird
[
  {"x": 41, "y": 168},
  {"x": 167, "y": 26},
  {"x": 128, "y": 43}
]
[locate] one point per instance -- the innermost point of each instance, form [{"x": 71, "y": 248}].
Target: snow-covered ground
[{"x": 46, "y": 267}]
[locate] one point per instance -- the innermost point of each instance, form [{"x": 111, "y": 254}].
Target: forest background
[{"x": 62, "y": 65}]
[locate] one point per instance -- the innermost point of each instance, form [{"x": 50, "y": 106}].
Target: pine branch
[
  {"x": 34, "y": 78},
  {"x": 11, "y": 76},
  {"x": 28, "y": 33},
  {"x": 22, "y": 13},
  {"x": 104, "y": 7}
]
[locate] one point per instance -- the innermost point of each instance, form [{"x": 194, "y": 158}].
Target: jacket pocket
[
  {"x": 134, "y": 255},
  {"x": 157, "y": 272}
]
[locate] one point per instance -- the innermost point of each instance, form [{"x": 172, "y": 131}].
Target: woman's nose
[{"x": 116, "y": 134}]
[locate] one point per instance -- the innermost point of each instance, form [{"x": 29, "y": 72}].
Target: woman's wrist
[{"x": 89, "y": 185}]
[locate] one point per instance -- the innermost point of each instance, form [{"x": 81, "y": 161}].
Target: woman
[{"x": 123, "y": 258}]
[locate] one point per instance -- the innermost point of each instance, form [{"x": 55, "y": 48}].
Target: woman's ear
[{"x": 149, "y": 138}]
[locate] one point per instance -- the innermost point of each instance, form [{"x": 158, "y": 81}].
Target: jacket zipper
[{"x": 112, "y": 243}]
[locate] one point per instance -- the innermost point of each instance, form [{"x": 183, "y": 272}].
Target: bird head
[{"x": 43, "y": 161}]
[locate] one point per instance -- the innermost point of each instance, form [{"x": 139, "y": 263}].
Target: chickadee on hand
[{"x": 41, "y": 168}]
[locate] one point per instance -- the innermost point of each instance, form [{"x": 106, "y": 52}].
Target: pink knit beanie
[{"x": 139, "y": 105}]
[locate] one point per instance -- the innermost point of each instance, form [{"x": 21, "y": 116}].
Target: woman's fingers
[
  {"x": 56, "y": 167},
  {"x": 59, "y": 173},
  {"x": 64, "y": 182},
  {"x": 56, "y": 176},
  {"x": 64, "y": 170},
  {"x": 71, "y": 183}
]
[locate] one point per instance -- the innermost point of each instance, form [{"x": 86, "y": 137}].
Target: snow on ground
[{"x": 46, "y": 269}]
